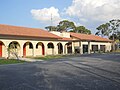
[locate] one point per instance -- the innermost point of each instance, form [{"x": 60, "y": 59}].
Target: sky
[{"x": 38, "y": 13}]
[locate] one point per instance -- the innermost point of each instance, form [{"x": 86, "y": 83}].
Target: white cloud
[
  {"x": 96, "y": 10},
  {"x": 44, "y": 15}
]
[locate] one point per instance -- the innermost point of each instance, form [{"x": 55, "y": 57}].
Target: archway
[
  {"x": 60, "y": 48},
  {"x": 14, "y": 49},
  {"x": 68, "y": 47},
  {"x": 50, "y": 48},
  {"x": 1, "y": 48},
  {"x": 40, "y": 50},
  {"x": 27, "y": 49}
]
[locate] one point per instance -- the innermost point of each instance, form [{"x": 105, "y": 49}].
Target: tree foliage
[
  {"x": 51, "y": 28},
  {"x": 82, "y": 29},
  {"x": 68, "y": 26},
  {"x": 13, "y": 49},
  {"x": 103, "y": 30},
  {"x": 110, "y": 29},
  {"x": 115, "y": 28}
]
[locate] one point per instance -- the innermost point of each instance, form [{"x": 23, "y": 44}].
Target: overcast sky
[{"x": 37, "y": 13}]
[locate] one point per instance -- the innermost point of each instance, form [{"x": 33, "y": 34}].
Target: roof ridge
[{"x": 21, "y": 26}]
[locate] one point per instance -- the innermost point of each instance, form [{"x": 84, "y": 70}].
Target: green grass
[
  {"x": 49, "y": 57},
  {"x": 10, "y": 61},
  {"x": 117, "y": 50}
]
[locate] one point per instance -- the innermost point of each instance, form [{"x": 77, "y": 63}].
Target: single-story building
[{"x": 37, "y": 42}]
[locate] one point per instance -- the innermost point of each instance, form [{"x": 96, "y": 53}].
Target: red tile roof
[
  {"x": 89, "y": 37},
  {"x": 24, "y": 31}
]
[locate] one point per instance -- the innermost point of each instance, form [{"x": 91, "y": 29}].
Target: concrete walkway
[{"x": 30, "y": 60}]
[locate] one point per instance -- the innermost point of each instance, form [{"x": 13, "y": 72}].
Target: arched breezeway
[
  {"x": 1, "y": 48},
  {"x": 68, "y": 48},
  {"x": 50, "y": 50},
  {"x": 13, "y": 49},
  {"x": 28, "y": 49},
  {"x": 40, "y": 49},
  {"x": 60, "y": 48}
]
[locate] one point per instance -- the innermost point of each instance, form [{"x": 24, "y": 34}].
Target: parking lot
[{"x": 80, "y": 72}]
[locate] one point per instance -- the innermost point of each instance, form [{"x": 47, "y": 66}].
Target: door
[
  {"x": 43, "y": 52},
  {"x": 0, "y": 49},
  {"x": 24, "y": 50},
  {"x": 85, "y": 48}
]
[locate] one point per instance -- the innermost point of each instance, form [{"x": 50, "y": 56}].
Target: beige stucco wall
[
  {"x": 34, "y": 51},
  {"x": 107, "y": 45},
  {"x": 38, "y": 51},
  {"x": 63, "y": 34},
  {"x": 79, "y": 44},
  {"x": 48, "y": 51}
]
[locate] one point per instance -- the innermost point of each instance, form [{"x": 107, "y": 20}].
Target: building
[{"x": 38, "y": 42}]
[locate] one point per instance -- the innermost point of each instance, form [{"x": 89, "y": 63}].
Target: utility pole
[{"x": 51, "y": 21}]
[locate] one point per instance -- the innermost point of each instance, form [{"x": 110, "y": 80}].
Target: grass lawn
[
  {"x": 50, "y": 57},
  {"x": 117, "y": 50},
  {"x": 10, "y": 61}
]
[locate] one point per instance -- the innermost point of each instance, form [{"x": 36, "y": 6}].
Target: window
[
  {"x": 102, "y": 47},
  {"x": 30, "y": 46},
  {"x": 94, "y": 47}
]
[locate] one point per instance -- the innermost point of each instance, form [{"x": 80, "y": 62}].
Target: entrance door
[
  {"x": 0, "y": 49},
  {"x": 24, "y": 50},
  {"x": 43, "y": 52},
  {"x": 85, "y": 48}
]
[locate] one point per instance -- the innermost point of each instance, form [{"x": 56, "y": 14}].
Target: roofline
[
  {"x": 93, "y": 40},
  {"x": 57, "y": 37},
  {"x": 29, "y": 36}
]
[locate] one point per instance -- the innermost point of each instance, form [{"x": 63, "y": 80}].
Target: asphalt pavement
[{"x": 80, "y": 72}]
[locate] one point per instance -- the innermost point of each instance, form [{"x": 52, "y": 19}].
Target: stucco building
[{"x": 38, "y": 42}]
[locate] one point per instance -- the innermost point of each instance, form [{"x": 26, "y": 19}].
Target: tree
[
  {"x": 103, "y": 30},
  {"x": 118, "y": 35},
  {"x": 13, "y": 49},
  {"x": 114, "y": 27},
  {"x": 66, "y": 25},
  {"x": 110, "y": 29},
  {"x": 81, "y": 29},
  {"x": 51, "y": 28}
]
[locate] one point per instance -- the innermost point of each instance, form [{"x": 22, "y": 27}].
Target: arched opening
[
  {"x": 27, "y": 49},
  {"x": 50, "y": 48},
  {"x": 1, "y": 48},
  {"x": 68, "y": 47},
  {"x": 40, "y": 50},
  {"x": 60, "y": 48},
  {"x": 14, "y": 50}
]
